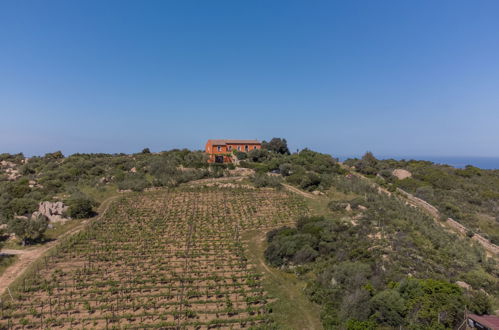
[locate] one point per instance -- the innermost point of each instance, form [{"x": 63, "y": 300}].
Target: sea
[{"x": 488, "y": 163}]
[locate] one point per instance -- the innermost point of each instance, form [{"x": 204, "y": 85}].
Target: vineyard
[{"x": 164, "y": 259}]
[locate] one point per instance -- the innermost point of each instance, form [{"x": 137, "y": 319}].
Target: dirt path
[
  {"x": 293, "y": 309},
  {"x": 28, "y": 256},
  {"x": 25, "y": 258},
  {"x": 211, "y": 180}
]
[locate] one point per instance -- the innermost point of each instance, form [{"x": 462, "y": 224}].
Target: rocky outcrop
[
  {"x": 12, "y": 174},
  {"x": 54, "y": 211},
  {"x": 464, "y": 285},
  {"x": 401, "y": 174},
  {"x": 10, "y": 170},
  {"x": 7, "y": 164}
]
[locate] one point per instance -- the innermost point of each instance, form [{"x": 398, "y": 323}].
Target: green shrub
[
  {"x": 337, "y": 206},
  {"x": 241, "y": 155},
  {"x": 389, "y": 307},
  {"x": 29, "y": 230},
  {"x": 265, "y": 180},
  {"x": 361, "y": 325},
  {"x": 81, "y": 207},
  {"x": 22, "y": 206}
]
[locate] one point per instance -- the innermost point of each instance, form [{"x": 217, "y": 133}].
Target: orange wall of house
[{"x": 210, "y": 149}]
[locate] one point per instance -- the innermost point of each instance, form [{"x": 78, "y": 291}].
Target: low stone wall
[{"x": 456, "y": 226}]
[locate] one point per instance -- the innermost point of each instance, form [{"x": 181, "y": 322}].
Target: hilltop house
[{"x": 221, "y": 151}]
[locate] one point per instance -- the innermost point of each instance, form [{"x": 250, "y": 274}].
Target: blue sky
[{"x": 394, "y": 77}]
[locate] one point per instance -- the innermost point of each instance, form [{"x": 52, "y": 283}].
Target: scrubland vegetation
[
  {"x": 81, "y": 181},
  {"x": 384, "y": 264},
  {"x": 469, "y": 195}
]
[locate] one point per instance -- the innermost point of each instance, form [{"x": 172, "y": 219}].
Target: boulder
[{"x": 54, "y": 211}]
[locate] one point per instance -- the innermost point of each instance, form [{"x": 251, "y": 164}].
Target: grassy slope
[{"x": 292, "y": 309}]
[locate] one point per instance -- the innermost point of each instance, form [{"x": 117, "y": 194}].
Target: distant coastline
[{"x": 489, "y": 163}]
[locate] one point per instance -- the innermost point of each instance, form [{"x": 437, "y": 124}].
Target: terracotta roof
[
  {"x": 225, "y": 142},
  {"x": 490, "y": 321}
]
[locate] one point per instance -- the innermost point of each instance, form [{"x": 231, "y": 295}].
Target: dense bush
[
  {"x": 138, "y": 182},
  {"x": 81, "y": 206},
  {"x": 241, "y": 155}
]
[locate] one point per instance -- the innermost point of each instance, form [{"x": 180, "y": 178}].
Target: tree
[
  {"x": 146, "y": 151},
  {"x": 432, "y": 303},
  {"x": 54, "y": 155},
  {"x": 29, "y": 229},
  {"x": 368, "y": 164},
  {"x": 369, "y": 159},
  {"x": 277, "y": 145},
  {"x": 22, "y": 206},
  {"x": 258, "y": 155}
]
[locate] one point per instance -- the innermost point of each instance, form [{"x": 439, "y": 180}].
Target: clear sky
[{"x": 394, "y": 77}]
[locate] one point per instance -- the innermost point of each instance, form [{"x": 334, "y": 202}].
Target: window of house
[
  {"x": 230, "y": 148},
  {"x": 254, "y": 147},
  {"x": 219, "y": 148},
  {"x": 246, "y": 148},
  {"x": 238, "y": 148}
]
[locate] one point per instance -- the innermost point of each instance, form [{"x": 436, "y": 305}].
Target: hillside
[
  {"x": 233, "y": 251},
  {"x": 78, "y": 183},
  {"x": 469, "y": 196}
]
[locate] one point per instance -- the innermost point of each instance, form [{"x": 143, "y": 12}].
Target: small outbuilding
[{"x": 486, "y": 322}]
